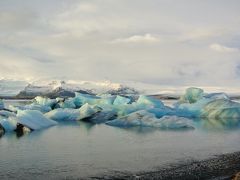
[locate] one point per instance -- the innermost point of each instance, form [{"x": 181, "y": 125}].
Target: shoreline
[{"x": 225, "y": 166}]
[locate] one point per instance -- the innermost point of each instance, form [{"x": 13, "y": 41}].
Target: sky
[{"x": 163, "y": 42}]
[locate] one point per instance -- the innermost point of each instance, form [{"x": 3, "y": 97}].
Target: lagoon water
[{"x": 80, "y": 150}]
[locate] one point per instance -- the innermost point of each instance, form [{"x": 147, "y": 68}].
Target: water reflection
[
  {"x": 149, "y": 130},
  {"x": 217, "y": 124}
]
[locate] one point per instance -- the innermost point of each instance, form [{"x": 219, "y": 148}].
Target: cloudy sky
[{"x": 167, "y": 42}]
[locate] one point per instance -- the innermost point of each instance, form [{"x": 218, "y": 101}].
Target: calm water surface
[{"x": 76, "y": 149}]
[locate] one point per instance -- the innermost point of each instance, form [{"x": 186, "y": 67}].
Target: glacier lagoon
[{"x": 75, "y": 149}]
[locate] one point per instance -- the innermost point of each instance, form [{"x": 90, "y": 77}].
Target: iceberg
[
  {"x": 5, "y": 113},
  {"x": 68, "y": 114},
  {"x": 101, "y": 117},
  {"x": 81, "y": 99},
  {"x": 32, "y": 106},
  {"x": 68, "y": 103},
  {"x": 147, "y": 101},
  {"x": 145, "y": 119},
  {"x": 87, "y": 110},
  {"x": 221, "y": 109},
  {"x": 9, "y": 124},
  {"x": 120, "y": 100},
  {"x": 191, "y": 95},
  {"x": 196, "y": 103},
  {"x": 33, "y": 119},
  {"x": 44, "y": 101},
  {"x": 64, "y": 114},
  {"x": 1, "y": 104}
]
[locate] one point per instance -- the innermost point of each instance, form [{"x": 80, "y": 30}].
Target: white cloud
[
  {"x": 221, "y": 48},
  {"x": 68, "y": 38},
  {"x": 148, "y": 38}
]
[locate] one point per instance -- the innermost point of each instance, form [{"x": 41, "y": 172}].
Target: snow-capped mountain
[{"x": 67, "y": 88}]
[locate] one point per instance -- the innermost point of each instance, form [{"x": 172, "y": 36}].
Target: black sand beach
[{"x": 222, "y": 167}]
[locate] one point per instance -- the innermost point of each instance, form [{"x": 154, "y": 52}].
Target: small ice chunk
[
  {"x": 1, "y": 104},
  {"x": 191, "y": 95},
  {"x": 89, "y": 110},
  {"x": 148, "y": 101},
  {"x": 8, "y": 124},
  {"x": 68, "y": 103},
  {"x": 81, "y": 99},
  {"x": 7, "y": 114},
  {"x": 103, "y": 116},
  {"x": 119, "y": 100},
  {"x": 217, "y": 96},
  {"x": 44, "y": 101}
]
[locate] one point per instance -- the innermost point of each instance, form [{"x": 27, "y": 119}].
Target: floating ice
[
  {"x": 119, "y": 100},
  {"x": 32, "y": 106},
  {"x": 103, "y": 116},
  {"x": 1, "y": 104},
  {"x": 87, "y": 110},
  {"x": 45, "y": 101},
  {"x": 146, "y": 119},
  {"x": 9, "y": 124},
  {"x": 194, "y": 103},
  {"x": 7, "y": 114},
  {"x": 150, "y": 102},
  {"x": 81, "y": 99},
  {"x": 64, "y": 114},
  {"x": 68, "y": 114},
  {"x": 68, "y": 103},
  {"x": 34, "y": 119},
  {"x": 221, "y": 109},
  {"x": 215, "y": 109},
  {"x": 191, "y": 95}
]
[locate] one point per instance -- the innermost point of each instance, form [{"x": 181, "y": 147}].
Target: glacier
[{"x": 194, "y": 109}]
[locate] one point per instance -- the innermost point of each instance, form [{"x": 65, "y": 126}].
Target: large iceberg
[
  {"x": 145, "y": 119},
  {"x": 196, "y": 103},
  {"x": 33, "y": 119}
]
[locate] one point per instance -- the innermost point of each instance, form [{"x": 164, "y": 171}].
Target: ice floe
[{"x": 213, "y": 109}]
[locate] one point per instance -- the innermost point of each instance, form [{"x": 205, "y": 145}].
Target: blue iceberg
[
  {"x": 196, "y": 103},
  {"x": 33, "y": 119},
  {"x": 145, "y": 119}
]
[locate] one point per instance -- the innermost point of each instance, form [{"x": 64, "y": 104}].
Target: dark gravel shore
[{"x": 220, "y": 167}]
